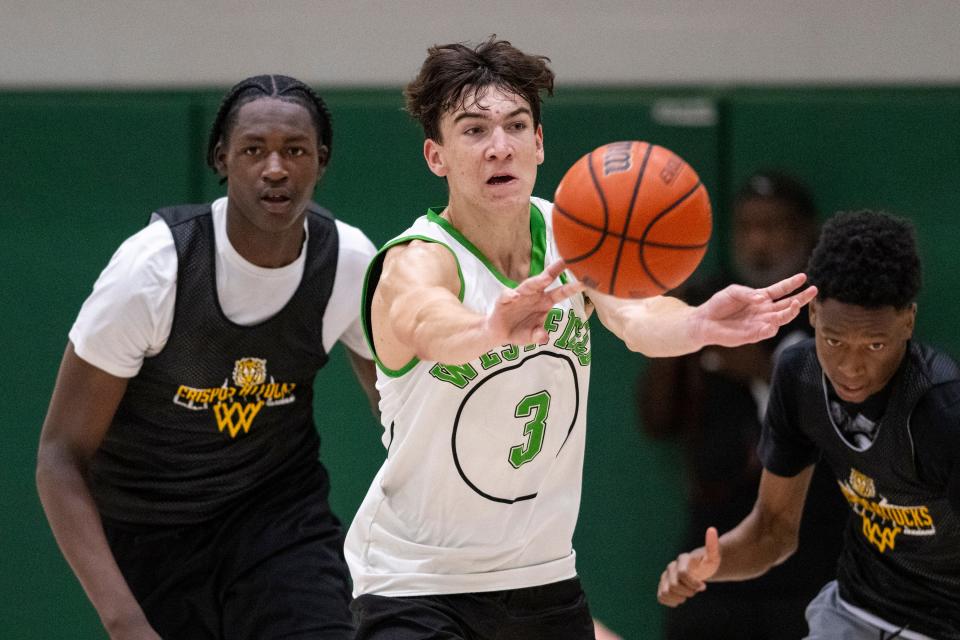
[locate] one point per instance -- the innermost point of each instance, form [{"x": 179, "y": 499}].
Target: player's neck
[
  {"x": 502, "y": 235},
  {"x": 270, "y": 250}
]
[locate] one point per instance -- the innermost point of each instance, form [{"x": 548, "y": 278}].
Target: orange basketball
[{"x": 631, "y": 219}]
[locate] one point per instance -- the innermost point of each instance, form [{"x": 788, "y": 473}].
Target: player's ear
[
  {"x": 220, "y": 159},
  {"x": 910, "y": 319},
  {"x": 539, "y": 144},
  {"x": 812, "y": 312},
  {"x": 433, "y": 154},
  {"x": 323, "y": 157}
]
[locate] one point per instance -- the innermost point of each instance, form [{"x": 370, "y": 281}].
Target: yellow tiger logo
[
  {"x": 862, "y": 484},
  {"x": 249, "y": 371}
]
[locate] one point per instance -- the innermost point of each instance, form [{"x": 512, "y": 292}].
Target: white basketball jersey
[{"x": 481, "y": 486}]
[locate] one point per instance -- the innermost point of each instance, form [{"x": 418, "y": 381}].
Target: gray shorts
[{"x": 830, "y": 618}]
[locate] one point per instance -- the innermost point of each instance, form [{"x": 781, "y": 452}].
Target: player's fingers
[
  {"x": 786, "y": 315},
  {"x": 785, "y": 286},
  {"x": 687, "y": 585},
  {"x": 806, "y": 295},
  {"x": 681, "y": 582},
  {"x": 543, "y": 279},
  {"x": 554, "y": 269},
  {"x": 664, "y": 595},
  {"x": 539, "y": 283},
  {"x": 539, "y": 336},
  {"x": 711, "y": 546},
  {"x": 562, "y": 293},
  {"x": 670, "y": 583}
]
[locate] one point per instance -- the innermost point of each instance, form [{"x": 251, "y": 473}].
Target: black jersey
[
  {"x": 901, "y": 557},
  {"x": 223, "y": 408}
]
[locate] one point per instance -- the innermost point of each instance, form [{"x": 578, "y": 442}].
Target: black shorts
[
  {"x": 271, "y": 568},
  {"x": 555, "y": 611}
]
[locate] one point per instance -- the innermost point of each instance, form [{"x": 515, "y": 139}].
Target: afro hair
[{"x": 868, "y": 259}]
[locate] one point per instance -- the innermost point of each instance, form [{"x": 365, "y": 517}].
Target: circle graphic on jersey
[{"x": 511, "y": 427}]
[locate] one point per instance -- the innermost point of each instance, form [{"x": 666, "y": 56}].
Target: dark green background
[{"x": 81, "y": 171}]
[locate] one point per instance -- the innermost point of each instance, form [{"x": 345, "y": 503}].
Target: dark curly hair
[
  {"x": 450, "y": 70},
  {"x": 268, "y": 86},
  {"x": 866, "y": 258}
]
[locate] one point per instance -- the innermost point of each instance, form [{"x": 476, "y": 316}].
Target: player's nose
[{"x": 500, "y": 144}]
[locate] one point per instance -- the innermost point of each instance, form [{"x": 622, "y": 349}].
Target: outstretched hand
[
  {"x": 739, "y": 315},
  {"x": 519, "y": 314},
  {"x": 686, "y": 576}
]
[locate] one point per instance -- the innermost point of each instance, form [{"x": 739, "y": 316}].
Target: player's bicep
[
  {"x": 784, "y": 496},
  {"x": 416, "y": 277},
  {"x": 785, "y": 448},
  {"x": 85, "y": 399},
  {"x": 779, "y": 505}
]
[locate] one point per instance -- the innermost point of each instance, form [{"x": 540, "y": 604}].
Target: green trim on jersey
[
  {"x": 377, "y": 263},
  {"x": 538, "y": 243}
]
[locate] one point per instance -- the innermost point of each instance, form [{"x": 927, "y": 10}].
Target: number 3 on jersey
[{"x": 537, "y": 405}]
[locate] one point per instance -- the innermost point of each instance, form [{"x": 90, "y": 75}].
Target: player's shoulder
[
  {"x": 938, "y": 366},
  {"x": 353, "y": 240},
  {"x": 543, "y": 205},
  {"x": 943, "y": 399},
  {"x": 419, "y": 252},
  {"x": 149, "y": 253},
  {"x": 797, "y": 355},
  {"x": 796, "y": 367},
  {"x": 935, "y": 423},
  {"x": 941, "y": 403}
]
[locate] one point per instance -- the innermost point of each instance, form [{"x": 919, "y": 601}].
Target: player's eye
[
  {"x": 832, "y": 342},
  {"x": 473, "y": 131},
  {"x": 518, "y": 126},
  {"x": 250, "y": 151},
  {"x": 296, "y": 152},
  {"x": 876, "y": 346}
]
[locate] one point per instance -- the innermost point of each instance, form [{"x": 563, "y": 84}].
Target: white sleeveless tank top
[{"x": 480, "y": 489}]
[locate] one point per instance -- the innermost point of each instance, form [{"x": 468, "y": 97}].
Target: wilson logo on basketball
[
  {"x": 236, "y": 406},
  {"x": 882, "y": 521},
  {"x": 617, "y": 158}
]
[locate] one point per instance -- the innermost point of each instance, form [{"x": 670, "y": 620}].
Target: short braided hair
[{"x": 268, "y": 86}]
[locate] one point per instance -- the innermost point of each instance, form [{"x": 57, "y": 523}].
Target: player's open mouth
[
  {"x": 276, "y": 203},
  {"x": 848, "y": 390},
  {"x": 501, "y": 179},
  {"x": 275, "y": 199}
]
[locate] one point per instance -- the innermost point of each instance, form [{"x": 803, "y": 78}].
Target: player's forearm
[
  {"x": 753, "y": 547},
  {"x": 450, "y": 333},
  {"x": 656, "y": 327},
  {"x": 76, "y": 525}
]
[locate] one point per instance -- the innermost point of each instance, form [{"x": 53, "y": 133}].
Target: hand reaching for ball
[{"x": 738, "y": 315}]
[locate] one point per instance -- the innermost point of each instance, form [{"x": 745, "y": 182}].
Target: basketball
[{"x": 631, "y": 219}]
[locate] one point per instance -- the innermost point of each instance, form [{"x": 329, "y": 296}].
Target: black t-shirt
[
  {"x": 901, "y": 558},
  {"x": 934, "y": 427}
]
